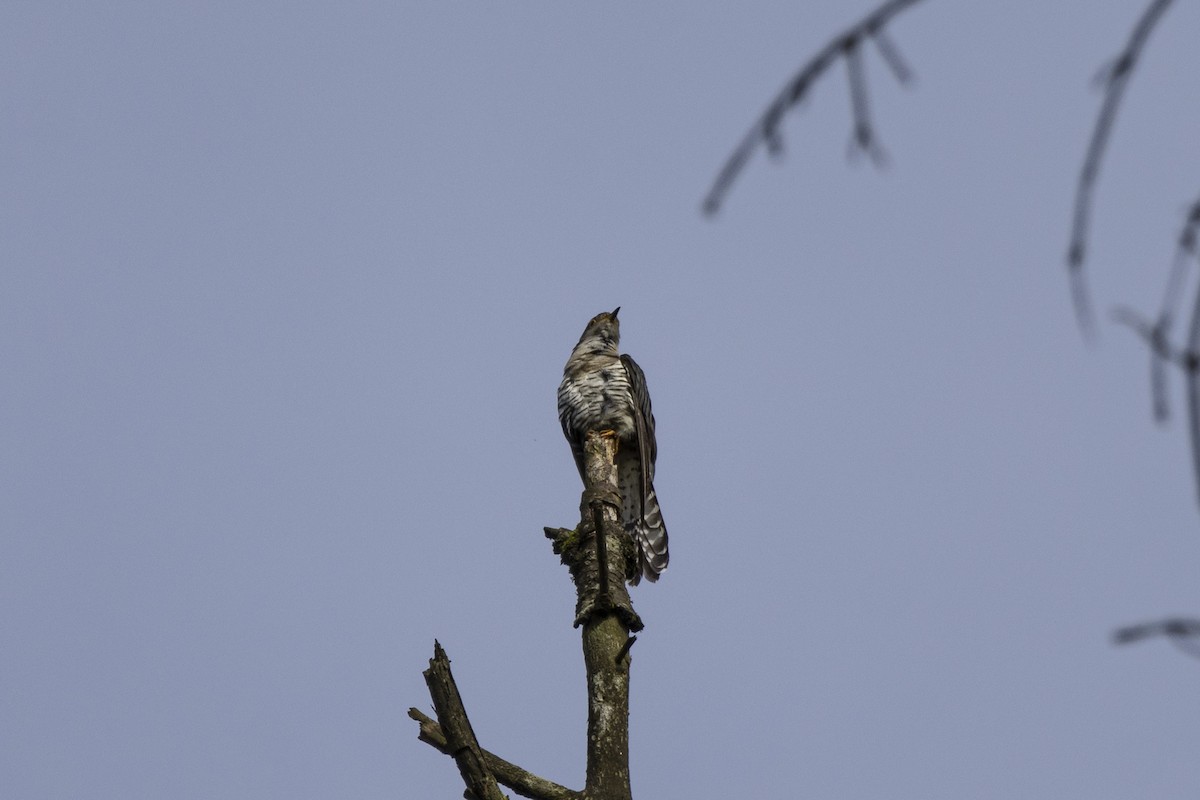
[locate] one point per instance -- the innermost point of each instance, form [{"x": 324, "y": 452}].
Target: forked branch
[
  {"x": 1185, "y": 253},
  {"x": 1163, "y": 352},
  {"x": 601, "y": 558},
  {"x": 521, "y": 781},
  {"x": 848, "y": 45}
]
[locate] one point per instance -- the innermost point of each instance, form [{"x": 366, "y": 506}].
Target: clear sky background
[{"x": 285, "y": 298}]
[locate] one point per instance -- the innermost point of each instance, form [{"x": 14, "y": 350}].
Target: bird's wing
[
  {"x": 573, "y": 438},
  {"x": 643, "y": 419}
]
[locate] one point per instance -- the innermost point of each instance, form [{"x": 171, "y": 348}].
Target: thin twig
[
  {"x": 1185, "y": 251},
  {"x": 1193, "y": 384},
  {"x": 765, "y": 131},
  {"x": 1158, "y": 372},
  {"x": 625, "y": 648},
  {"x": 1181, "y": 632},
  {"x": 1188, "y": 360},
  {"x": 1153, "y": 335},
  {"x": 1116, "y": 79},
  {"x": 891, "y": 56},
  {"x": 863, "y": 137}
]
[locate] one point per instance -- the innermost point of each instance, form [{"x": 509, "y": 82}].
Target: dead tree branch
[
  {"x": 1116, "y": 78},
  {"x": 599, "y": 567},
  {"x": 460, "y": 738},
  {"x": 601, "y": 558},
  {"x": 1193, "y": 382},
  {"x": 848, "y": 44},
  {"x": 521, "y": 781}
]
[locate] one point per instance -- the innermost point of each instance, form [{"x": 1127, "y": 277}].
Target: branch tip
[
  {"x": 764, "y": 132},
  {"x": 1116, "y": 79},
  {"x": 1182, "y": 632},
  {"x": 625, "y": 648}
]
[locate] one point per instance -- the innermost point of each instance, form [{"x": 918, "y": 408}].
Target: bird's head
[
  {"x": 604, "y": 327},
  {"x": 603, "y": 332}
]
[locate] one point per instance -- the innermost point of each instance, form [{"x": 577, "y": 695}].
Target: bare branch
[
  {"x": 460, "y": 738},
  {"x": 1193, "y": 383},
  {"x": 1188, "y": 360},
  {"x": 1155, "y": 337},
  {"x": 862, "y": 140},
  {"x": 1185, "y": 251},
  {"x": 1116, "y": 78},
  {"x": 521, "y": 781},
  {"x": 891, "y": 56},
  {"x": 765, "y": 131},
  {"x": 1181, "y": 632}
]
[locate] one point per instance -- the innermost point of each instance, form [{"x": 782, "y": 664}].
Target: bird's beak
[{"x": 614, "y": 312}]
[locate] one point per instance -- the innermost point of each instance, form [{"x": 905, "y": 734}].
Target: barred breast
[{"x": 594, "y": 395}]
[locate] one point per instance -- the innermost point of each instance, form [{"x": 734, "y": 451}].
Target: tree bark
[
  {"x": 460, "y": 738},
  {"x": 606, "y": 628},
  {"x": 601, "y": 558},
  {"x": 521, "y": 781}
]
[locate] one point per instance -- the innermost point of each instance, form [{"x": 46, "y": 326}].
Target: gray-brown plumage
[{"x": 602, "y": 390}]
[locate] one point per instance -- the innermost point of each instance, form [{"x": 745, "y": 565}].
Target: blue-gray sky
[{"x": 286, "y": 294}]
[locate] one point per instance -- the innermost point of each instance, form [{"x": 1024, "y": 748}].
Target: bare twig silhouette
[
  {"x": 1185, "y": 251},
  {"x": 1116, "y": 78},
  {"x": 863, "y": 139},
  {"x": 1194, "y": 387},
  {"x": 891, "y": 56},
  {"x": 1163, "y": 352},
  {"x": 1181, "y": 632},
  {"x": 1156, "y": 339},
  {"x": 1157, "y": 336},
  {"x": 848, "y": 44}
]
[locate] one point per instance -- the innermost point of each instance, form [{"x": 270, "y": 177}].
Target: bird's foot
[{"x": 611, "y": 434}]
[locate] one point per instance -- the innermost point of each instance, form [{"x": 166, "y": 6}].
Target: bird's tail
[{"x": 650, "y": 534}]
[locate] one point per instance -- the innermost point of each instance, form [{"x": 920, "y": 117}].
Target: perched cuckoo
[{"x": 604, "y": 391}]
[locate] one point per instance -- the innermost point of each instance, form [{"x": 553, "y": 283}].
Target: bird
[{"x": 602, "y": 390}]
